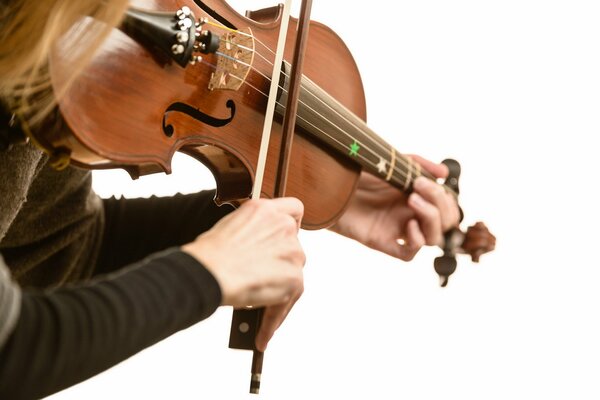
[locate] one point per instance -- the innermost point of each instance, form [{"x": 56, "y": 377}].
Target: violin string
[
  {"x": 233, "y": 59},
  {"x": 257, "y": 40},
  {"x": 218, "y": 25},
  {"x": 250, "y": 50},
  {"x": 394, "y": 178},
  {"x": 406, "y": 164},
  {"x": 377, "y": 140},
  {"x": 374, "y": 139},
  {"x": 401, "y": 172}
]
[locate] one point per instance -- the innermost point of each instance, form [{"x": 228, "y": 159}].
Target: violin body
[
  {"x": 132, "y": 108},
  {"x": 137, "y": 103}
]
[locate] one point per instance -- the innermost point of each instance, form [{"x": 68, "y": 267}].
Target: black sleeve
[
  {"x": 135, "y": 228},
  {"x": 67, "y": 335}
]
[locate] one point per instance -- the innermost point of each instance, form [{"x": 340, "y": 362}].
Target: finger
[
  {"x": 436, "y": 195},
  {"x": 290, "y": 206},
  {"x": 404, "y": 249},
  {"x": 438, "y": 170},
  {"x": 272, "y": 319},
  {"x": 293, "y": 253},
  {"x": 414, "y": 241},
  {"x": 429, "y": 218}
]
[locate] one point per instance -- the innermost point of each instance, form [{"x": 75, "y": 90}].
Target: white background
[{"x": 512, "y": 90}]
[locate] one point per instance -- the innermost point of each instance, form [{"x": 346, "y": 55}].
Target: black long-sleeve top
[{"x": 136, "y": 289}]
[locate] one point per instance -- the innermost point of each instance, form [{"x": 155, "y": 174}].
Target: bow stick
[{"x": 246, "y": 322}]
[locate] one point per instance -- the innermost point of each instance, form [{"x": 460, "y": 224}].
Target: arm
[
  {"x": 137, "y": 227},
  {"x": 65, "y": 336}
]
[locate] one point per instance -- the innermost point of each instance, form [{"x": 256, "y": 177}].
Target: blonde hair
[{"x": 28, "y": 31}]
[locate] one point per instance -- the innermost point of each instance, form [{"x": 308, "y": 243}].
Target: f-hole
[{"x": 196, "y": 114}]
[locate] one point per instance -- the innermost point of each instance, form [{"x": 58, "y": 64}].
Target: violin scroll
[{"x": 478, "y": 241}]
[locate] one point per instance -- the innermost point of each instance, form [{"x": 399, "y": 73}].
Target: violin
[{"x": 194, "y": 77}]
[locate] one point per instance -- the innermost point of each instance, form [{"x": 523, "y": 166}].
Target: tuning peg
[
  {"x": 478, "y": 241},
  {"x": 445, "y": 266}
]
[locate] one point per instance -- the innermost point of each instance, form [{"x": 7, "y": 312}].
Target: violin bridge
[{"x": 235, "y": 57}]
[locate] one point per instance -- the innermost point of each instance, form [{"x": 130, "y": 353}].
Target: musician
[{"x": 87, "y": 282}]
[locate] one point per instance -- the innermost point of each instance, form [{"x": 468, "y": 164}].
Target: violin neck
[{"x": 323, "y": 117}]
